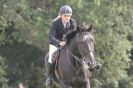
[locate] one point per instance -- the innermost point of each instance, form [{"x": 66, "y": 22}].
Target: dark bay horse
[{"x": 72, "y": 70}]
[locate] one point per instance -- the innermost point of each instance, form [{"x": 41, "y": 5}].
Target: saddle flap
[{"x": 56, "y": 55}]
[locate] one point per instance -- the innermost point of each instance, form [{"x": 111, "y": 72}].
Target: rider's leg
[
  {"x": 50, "y": 67},
  {"x": 97, "y": 66},
  {"x": 87, "y": 83}
]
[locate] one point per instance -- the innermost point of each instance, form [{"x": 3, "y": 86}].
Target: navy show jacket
[{"x": 57, "y": 31}]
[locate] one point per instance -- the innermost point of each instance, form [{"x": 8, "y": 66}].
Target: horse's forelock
[{"x": 84, "y": 27}]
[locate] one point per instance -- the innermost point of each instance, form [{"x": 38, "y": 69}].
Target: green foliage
[
  {"x": 3, "y": 79},
  {"x": 24, "y": 63}
]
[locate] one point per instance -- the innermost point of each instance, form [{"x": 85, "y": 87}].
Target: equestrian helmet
[{"x": 67, "y": 10}]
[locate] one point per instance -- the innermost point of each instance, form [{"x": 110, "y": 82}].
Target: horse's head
[
  {"x": 85, "y": 39},
  {"x": 84, "y": 42}
]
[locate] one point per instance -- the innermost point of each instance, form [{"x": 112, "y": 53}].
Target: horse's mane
[
  {"x": 71, "y": 36},
  {"x": 80, "y": 28}
]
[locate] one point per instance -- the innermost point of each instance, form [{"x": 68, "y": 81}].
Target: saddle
[{"x": 55, "y": 57}]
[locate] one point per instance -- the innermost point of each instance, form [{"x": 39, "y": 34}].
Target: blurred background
[{"x": 24, "y": 27}]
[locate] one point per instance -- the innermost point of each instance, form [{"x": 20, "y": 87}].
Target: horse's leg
[
  {"x": 66, "y": 86},
  {"x": 87, "y": 83},
  {"x": 63, "y": 85},
  {"x": 86, "y": 79}
]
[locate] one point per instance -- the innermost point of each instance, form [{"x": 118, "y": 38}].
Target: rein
[{"x": 76, "y": 57}]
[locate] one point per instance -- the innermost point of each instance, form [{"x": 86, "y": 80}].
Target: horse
[{"x": 71, "y": 70}]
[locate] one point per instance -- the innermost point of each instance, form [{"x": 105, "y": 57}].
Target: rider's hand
[{"x": 62, "y": 43}]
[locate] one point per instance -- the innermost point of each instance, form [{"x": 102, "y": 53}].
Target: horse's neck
[
  {"x": 73, "y": 44},
  {"x": 74, "y": 49}
]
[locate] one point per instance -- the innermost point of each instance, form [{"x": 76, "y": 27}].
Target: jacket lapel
[
  {"x": 67, "y": 25},
  {"x": 62, "y": 26}
]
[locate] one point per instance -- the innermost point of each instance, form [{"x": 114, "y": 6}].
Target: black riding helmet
[{"x": 67, "y": 10}]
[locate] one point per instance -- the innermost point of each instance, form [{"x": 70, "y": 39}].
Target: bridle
[
  {"x": 79, "y": 45},
  {"x": 81, "y": 59}
]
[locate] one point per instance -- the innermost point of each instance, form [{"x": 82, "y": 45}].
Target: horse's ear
[
  {"x": 90, "y": 28},
  {"x": 78, "y": 28}
]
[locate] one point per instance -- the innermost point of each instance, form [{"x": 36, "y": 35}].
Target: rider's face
[{"x": 65, "y": 18}]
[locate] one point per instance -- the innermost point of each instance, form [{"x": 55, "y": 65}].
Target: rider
[{"x": 63, "y": 24}]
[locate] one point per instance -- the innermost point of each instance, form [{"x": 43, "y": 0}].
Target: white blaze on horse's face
[
  {"x": 84, "y": 38},
  {"x": 86, "y": 47},
  {"x": 86, "y": 41}
]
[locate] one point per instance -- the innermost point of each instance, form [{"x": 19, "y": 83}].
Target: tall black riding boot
[
  {"x": 49, "y": 81},
  {"x": 97, "y": 66}
]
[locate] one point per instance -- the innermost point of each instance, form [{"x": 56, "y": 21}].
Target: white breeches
[{"x": 52, "y": 49}]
